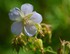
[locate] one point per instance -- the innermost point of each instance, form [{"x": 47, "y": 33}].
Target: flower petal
[
  {"x": 36, "y": 17},
  {"x": 16, "y": 28},
  {"x": 14, "y": 14},
  {"x": 27, "y": 8},
  {"x": 30, "y": 30}
]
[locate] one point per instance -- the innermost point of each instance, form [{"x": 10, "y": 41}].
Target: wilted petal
[
  {"x": 30, "y": 30},
  {"x": 16, "y": 28},
  {"x": 14, "y": 14},
  {"x": 36, "y": 17},
  {"x": 27, "y": 8}
]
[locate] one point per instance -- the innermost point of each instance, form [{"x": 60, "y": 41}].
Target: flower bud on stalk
[
  {"x": 39, "y": 44},
  {"x": 40, "y": 29},
  {"x": 18, "y": 43}
]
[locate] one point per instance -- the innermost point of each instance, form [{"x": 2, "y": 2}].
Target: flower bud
[
  {"x": 18, "y": 43},
  {"x": 68, "y": 45},
  {"x": 39, "y": 43},
  {"x": 41, "y": 33}
]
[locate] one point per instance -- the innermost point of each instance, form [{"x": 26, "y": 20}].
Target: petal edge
[
  {"x": 30, "y": 30},
  {"x": 14, "y": 14},
  {"x": 36, "y": 17},
  {"x": 16, "y": 28},
  {"x": 27, "y": 8}
]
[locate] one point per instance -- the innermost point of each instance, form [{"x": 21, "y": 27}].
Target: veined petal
[
  {"x": 27, "y": 8},
  {"x": 30, "y": 30},
  {"x": 36, "y": 17},
  {"x": 14, "y": 14},
  {"x": 16, "y": 28}
]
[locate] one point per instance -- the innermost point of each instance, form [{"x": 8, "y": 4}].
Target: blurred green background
[{"x": 54, "y": 12}]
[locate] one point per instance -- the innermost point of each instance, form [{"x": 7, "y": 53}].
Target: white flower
[{"x": 24, "y": 19}]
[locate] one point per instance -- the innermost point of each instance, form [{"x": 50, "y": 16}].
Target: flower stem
[{"x": 36, "y": 34}]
